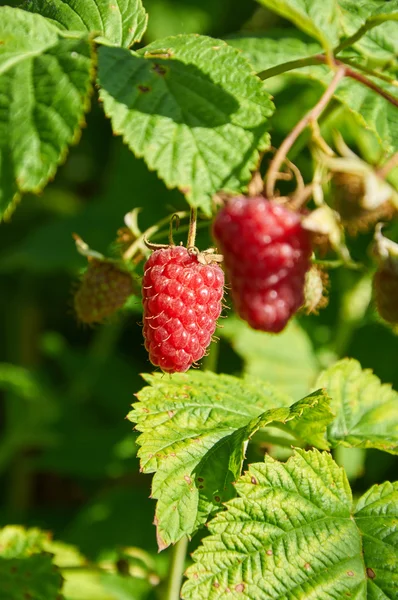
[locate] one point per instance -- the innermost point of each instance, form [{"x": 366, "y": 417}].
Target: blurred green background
[{"x": 67, "y": 455}]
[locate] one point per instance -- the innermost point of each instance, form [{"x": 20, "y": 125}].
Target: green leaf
[
  {"x": 194, "y": 427},
  {"x": 26, "y": 571},
  {"x": 293, "y": 533},
  {"x": 317, "y": 18},
  {"x": 376, "y": 515},
  {"x": 286, "y": 360},
  {"x": 179, "y": 105},
  {"x": 119, "y": 22},
  {"x": 375, "y": 23},
  {"x": 45, "y": 77},
  {"x": 367, "y": 411},
  {"x": 273, "y": 48}
]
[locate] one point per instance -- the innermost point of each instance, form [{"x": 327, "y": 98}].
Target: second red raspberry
[
  {"x": 182, "y": 302},
  {"x": 267, "y": 254}
]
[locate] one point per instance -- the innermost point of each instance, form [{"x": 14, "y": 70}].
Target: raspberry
[
  {"x": 385, "y": 285},
  {"x": 104, "y": 289},
  {"x": 266, "y": 252},
  {"x": 182, "y": 302}
]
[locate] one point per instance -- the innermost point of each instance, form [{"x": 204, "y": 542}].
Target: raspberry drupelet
[
  {"x": 267, "y": 254},
  {"x": 182, "y": 301}
]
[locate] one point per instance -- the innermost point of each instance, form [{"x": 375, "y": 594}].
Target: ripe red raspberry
[
  {"x": 266, "y": 253},
  {"x": 104, "y": 289},
  {"x": 385, "y": 285},
  {"x": 182, "y": 302}
]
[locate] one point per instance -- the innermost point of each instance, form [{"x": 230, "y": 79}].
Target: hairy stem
[
  {"x": 312, "y": 115},
  {"x": 192, "y": 228},
  {"x": 176, "y": 572}
]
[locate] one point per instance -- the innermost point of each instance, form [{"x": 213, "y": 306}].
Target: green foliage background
[{"x": 68, "y": 457}]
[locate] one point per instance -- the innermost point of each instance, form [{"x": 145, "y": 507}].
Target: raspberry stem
[
  {"x": 192, "y": 228},
  {"x": 140, "y": 242},
  {"x": 176, "y": 572},
  {"x": 311, "y": 116},
  {"x": 388, "y": 166}
]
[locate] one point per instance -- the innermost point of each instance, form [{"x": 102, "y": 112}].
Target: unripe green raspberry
[{"x": 104, "y": 289}]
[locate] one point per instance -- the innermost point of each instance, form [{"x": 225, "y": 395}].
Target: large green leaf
[
  {"x": 286, "y": 360},
  {"x": 45, "y": 84},
  {"x": 120, "y": 22},
  {"x": 318, "y": 18},
  {"x": 26, "y": 570},
  {"x": 367, "y": 411},
  {"x": 293, "y": 533},
  {"x": 194, "y": 427},
  {"x": 370, "y": 21},
  {"x": 180, "y": 106}
]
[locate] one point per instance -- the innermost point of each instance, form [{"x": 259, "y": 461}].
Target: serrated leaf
[
  {"x": 376, "y": 515},
  {"x": 286, "y": 360},
  {"x": 193, "y": 431},
  {"x": 120, "y": 22},
  {"x": 26, "y": 570},
  {"x": 366, "y": 410},
  {"x": 292, "y": 533},
  {"x": 45, "y": 84},
  {"x": 179, "y": 105},
  {"x": 317, "y": 18}
]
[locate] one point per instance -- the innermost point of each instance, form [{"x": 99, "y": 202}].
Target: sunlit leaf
[
  {"x": 366, "y": 410},
  {"x": 179, "y": 105},
  {"x": 45, "y": 84},
  {"x": 293, "y": 532},
  {"x": 318, "y": 18},
  {"x": 120, "y": 22},
  {"x": 194, "y": 427}
]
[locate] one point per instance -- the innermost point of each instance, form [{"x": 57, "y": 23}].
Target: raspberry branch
[{"x": 310, "y": 117}]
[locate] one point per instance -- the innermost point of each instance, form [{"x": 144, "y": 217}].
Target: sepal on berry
[
  {"x": 315, "y": 290},
  {"x": 359, "y": 194},
  {"x": 385, "y": 280}
]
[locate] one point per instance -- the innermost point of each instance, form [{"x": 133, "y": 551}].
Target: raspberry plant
[{"x": 280, "y": 140}]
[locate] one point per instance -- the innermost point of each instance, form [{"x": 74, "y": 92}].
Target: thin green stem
[
  {"x": 177, "y": 566},
  {"x": 367, "y": 26},
  {"x": 192, "y": 228},
  {"x": 289, "y": 66}
]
